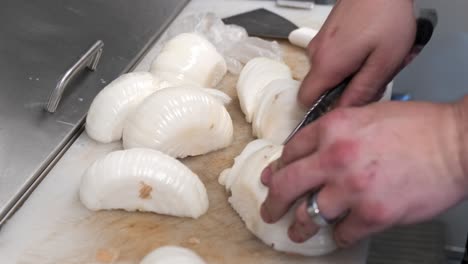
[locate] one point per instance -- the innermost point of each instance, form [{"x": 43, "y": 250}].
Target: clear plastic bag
[{"x": 249, "y": 48}]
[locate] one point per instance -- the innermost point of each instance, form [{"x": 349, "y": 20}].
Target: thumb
[
  {"x": 330, "y": 65},
  {"x": 315, "y": 83}
]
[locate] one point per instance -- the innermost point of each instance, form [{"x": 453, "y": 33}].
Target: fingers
[
  {"x": 329, "y": 22},
  {"x": 303, "y": 228},
  {"x": 365, "y": 219},
  {"x": 332, "y": 205},
  {"x": 315, "y": 83},
  {"x": 332, "y": 202},
  {"x": 305, "y": 142},
  {"x": 360, "y": 38},
  {"x": 288, "y": 184},
  {"x": 351, "y": 230},
  {"x": 366, "y": 85},
  {"x": 309, "y": 139},
  {"x": 331, "y": 63},
  {"x": 306, "y": 168},
  {"x": 312, "y": 46}
]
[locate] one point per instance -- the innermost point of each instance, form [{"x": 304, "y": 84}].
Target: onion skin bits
[
  {"x": 110, "y": 108},
  {"x": 172, "y": 255},
  {"x": 143, "y": 180},
  {"x": 179, "y": 121},
  {"x": 253, "y": 79},
  {"x": 248, "y": 193},
  {"x": 189, "y": 59}
]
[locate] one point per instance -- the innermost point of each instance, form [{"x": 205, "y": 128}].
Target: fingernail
[
  {"x": 266, "y": 176},
  {"x": 265, "y": 214}
]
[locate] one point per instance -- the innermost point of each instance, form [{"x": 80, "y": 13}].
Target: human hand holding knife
[
  {"x": 301, "y": 169},
  {"x": 426, "y": 24}
]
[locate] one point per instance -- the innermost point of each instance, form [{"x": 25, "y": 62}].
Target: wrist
[{"x": 454, "y": 147}]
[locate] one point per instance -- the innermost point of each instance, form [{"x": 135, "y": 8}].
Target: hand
[
  {"x": 385, "y": 163},
  {"x": 368, "y": 38}
]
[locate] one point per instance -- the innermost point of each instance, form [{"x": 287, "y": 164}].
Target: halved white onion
[
  {"x": 248, "y": 193},
  {"x": 254, "y": 77},
  {"x": 228, "y": 176},
  {"x": 189, "y": 59},
  {"x": 112, "y": 105},
  {"x": 220, "y": 96},
  {"x": 172, "y": 255},
  {"x": 179, "y": 121},
  {"x": 143, "y": 180},
  {"x": 279, "y": 111}
]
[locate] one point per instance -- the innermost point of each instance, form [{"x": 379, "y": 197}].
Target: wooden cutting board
[{"x": 69, "y": 233}]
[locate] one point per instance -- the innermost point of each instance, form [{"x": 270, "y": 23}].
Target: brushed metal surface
[{"x": 39, "y": 40}]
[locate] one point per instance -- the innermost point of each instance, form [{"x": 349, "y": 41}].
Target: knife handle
[{"x": 426, "y": 23}]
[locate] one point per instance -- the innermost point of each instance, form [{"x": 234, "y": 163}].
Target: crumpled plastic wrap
[
  {"x": 249, "y": 48},
  {"x": 231, "y": 41}
]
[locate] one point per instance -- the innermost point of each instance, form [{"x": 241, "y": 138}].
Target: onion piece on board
[
  {"x": 143, "y": 180},
  {"x": 180, "y": 121}
]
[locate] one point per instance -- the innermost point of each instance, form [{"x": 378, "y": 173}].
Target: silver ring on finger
[{"x": 314, "y": 211}]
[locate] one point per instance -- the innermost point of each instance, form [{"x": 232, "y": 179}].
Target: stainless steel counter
[{"x": 39, "y": 41}]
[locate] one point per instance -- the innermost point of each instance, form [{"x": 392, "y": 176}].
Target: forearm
[{"x": 462, "y": 122}]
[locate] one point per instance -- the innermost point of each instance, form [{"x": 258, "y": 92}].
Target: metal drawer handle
[{"x": 89, "y": 59}]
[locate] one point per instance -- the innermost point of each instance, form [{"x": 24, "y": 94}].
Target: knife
[
  {"x": 322, "y": 106},
  {"x": 265, "y": 24},
  {"x": 426, "y": 24}
]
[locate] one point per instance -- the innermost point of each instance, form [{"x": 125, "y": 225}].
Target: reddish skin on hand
[
  {"x": 387, "y": 163},
  {"x": 368, "y": 38}
]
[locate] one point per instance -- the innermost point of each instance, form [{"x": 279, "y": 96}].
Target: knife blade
[
  {"x": 266, "y": 24},
  {"x": 263, "y": 23},
  {"x": 321, "y": 106}
]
